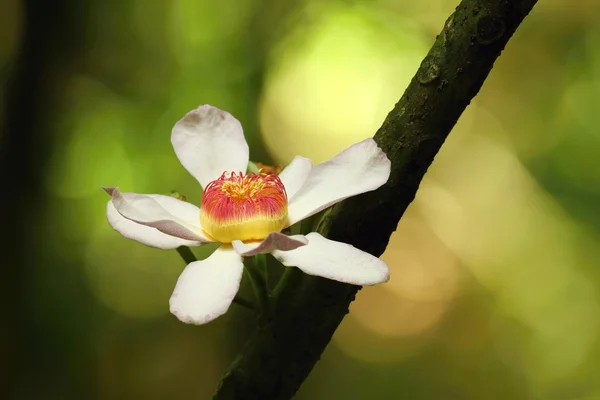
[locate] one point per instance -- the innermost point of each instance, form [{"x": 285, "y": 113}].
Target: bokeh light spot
[
  {"x": 334, "y": 85},
  {"x": 91, "y": 153}
]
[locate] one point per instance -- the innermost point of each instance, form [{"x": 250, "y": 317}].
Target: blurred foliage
[{"x": 495, "y": 279}]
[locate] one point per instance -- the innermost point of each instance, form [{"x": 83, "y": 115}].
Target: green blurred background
[{"x": 495, "y": 266}]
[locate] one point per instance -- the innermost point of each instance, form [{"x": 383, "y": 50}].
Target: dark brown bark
[{"x": 276, "y": 361}]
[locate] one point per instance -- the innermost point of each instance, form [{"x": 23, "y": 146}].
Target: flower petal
[
  {"x": 275, "y": 241},
  {"x": 167, "y": 214},
  {"x": 360, "y": 168},
  {"x": 206, "y": 288},
  {"x": 335, "y": 260},
  {"x": 208, "y": 142},
  {"x": 295, "y": 174},
  {"x": 144, "y": 234}
]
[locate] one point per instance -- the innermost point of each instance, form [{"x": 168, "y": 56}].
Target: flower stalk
[
  {"x": 256, "y": 269},
  {"x": 186, "y": 254}
]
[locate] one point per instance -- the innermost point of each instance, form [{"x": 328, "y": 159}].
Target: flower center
[{"x": 243, "y": 207}]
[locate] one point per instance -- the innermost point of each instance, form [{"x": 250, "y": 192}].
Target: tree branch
[{"x": 308, "y": 310}]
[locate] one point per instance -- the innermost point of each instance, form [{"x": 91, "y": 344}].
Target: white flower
[{"x": 247, "y": 213}]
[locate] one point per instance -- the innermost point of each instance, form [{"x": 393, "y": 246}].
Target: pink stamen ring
[{"x": 244, "y": 207}]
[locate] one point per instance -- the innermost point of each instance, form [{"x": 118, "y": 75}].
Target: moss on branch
[{"x": 280, "y": 356}]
